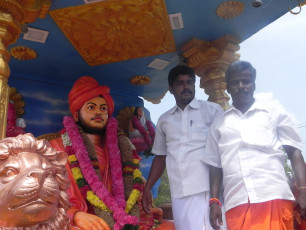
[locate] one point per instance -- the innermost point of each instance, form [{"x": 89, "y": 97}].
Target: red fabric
[
  {"x": 271, "y": 215},
  {"x": 86, "y": 88},
  {"x": 75, "y": 197},
  {"x": 146, "y": 221},
  {"x": 299, "y": 224},
  {"x": 303, "y": 225},
  {"x": 103, "y": 159},
  {"x": 166, "y": 224}
]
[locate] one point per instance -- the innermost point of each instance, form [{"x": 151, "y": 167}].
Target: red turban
[{"x": 86, "y": 88}]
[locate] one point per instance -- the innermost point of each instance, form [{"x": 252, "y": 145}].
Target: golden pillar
[
  {"x": 210, "y": 61},
  {"x": 13, "y": 14}
]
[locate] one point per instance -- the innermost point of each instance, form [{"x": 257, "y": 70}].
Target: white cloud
[
  {"x": 58, "y": 112},
  {"x": 42, "y": 97},
  {"x": 44, "y": 122},
  {"x": 269, "y": 99}
]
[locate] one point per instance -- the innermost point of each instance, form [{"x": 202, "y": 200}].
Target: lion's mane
[{"x": 12, "y": 146}]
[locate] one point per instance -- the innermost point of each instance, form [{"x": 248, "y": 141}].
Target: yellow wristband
[{"x": 302, "y": 188}]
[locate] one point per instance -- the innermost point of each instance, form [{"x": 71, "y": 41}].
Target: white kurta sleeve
[{"x": 286, "y": 130}]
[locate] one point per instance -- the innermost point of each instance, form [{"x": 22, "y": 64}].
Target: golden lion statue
[{"x": 33, "y": 185}]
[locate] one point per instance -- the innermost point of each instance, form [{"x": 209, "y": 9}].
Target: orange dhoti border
[{"x": 270, "y": 215}]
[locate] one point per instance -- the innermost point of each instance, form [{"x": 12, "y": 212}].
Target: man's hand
[
  {"x": 301, "y": 203},
  {"x": 299, "y": 169},
  {"x": 88, "y": 221},
  {"x": 146, "y": 200},
  {"x": 215, "y": 216}
]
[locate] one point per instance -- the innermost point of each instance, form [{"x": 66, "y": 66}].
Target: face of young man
[
  {"x": 93, "y": 115},
  {"x": 183, "y": 90},
  {"x": 139, "y": 112},
  {"x": 241, "y": 87}
]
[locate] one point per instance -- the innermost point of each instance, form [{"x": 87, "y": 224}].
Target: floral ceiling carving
[
  {"x": 23, "y": 53},
  {"x": 140, "y": 80},
  {"x": 230, "y": 9},
  {"x": 113, "y": 31}
]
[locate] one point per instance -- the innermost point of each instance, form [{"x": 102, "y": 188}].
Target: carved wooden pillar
[
  {"x": 14, "y": 13},
  {"x": 210, "y": 61}
]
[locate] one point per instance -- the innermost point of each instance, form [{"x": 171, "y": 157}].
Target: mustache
[
  {"x": 186, "y": 91},
  {"x": 97, "y": 116},
  {"x": 242, "y": 91}
]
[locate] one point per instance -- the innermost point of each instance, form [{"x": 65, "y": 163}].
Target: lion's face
[{"x": 29, "y": 190}]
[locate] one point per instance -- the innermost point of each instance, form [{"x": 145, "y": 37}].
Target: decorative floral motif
[
  {"x": 23, "y": 53},
  {"x": 230, "y": 9},
  {"x": 88, "y": 181},
  {"x": 140, "y": 80},
  {"x": 122, "y": 25}
]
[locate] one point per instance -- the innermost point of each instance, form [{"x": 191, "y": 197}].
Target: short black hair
[
  {"x": 136, "y": 110},
  {"x": 239, "y": 67},
  {"x": 180, "y": 70}
]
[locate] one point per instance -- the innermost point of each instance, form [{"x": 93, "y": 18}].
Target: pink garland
[
  {"x": 117, "y": 202},
  {"x": 151, "y": 129},
  {"x": 136, "y": 123},
  {"x": 115, "y": 162}
]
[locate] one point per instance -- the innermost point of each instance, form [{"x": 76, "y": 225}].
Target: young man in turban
[
  {"x": 246, "y": 147},
  {"x": 104, "y": 175}
]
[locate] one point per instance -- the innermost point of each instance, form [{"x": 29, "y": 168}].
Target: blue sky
[{"x": 278, "y": 52}]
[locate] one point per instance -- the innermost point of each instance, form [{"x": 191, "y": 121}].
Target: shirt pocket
[
  {"x": 198, "y": 130},
  {"x": 258, "y": 131}
]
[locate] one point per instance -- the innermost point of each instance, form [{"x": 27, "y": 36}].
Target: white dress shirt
[
  {"x": 181, "y": 135},
  {"x": 247, "y": 147}
]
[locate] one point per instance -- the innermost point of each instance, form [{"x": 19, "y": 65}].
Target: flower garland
[
  {"x": 12, "y": 130},
  {"x": 86, "y": 177},
  {"x": 148, "y": 139},
  {"x": 151, "y": 129}
]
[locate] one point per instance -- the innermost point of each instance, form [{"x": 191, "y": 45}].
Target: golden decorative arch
[
  {"x": 124, "y": 116},
  {"x": 230, "y": 9},
  {"x": 140, "y": 80},
  {"x": 23, "y": 53},
  {"x": 14, "y": 13}
]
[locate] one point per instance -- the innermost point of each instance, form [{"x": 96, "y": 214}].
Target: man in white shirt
[
  {"x": 245, "y": 143},
  {"x": 180, "y": 144}
]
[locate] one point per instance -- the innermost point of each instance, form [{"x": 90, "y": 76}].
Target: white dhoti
[{"x": 192, "y": 212}]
